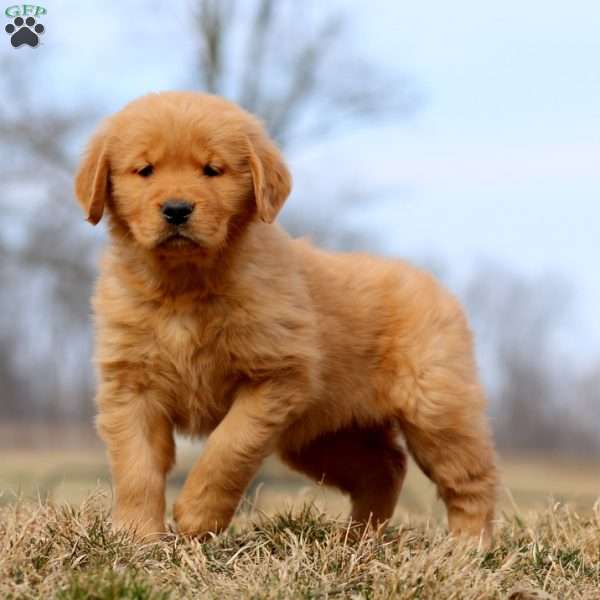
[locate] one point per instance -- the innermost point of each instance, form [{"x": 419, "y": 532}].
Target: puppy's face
[
  {"x": 176, "y": 169},
  {"x": 178, "y": 179}
]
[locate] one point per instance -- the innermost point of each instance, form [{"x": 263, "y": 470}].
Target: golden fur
[{"x": 263, "y": 343}]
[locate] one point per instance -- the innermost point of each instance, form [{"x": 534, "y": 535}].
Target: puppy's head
[{"x": 177, "y": 169}]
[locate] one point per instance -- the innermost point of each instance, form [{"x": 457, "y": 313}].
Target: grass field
[
  {"x": 49, "y": 551},
  {"x": 55, "y": 539}
]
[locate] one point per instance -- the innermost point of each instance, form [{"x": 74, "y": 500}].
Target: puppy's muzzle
[{"x": 176, "y": 212}]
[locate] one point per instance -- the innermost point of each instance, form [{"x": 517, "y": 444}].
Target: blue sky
[{"x": 502, "y": 163}]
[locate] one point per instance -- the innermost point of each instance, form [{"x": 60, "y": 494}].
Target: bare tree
[
  {"x": 46, "y": 254},
  {"x": 293, "y": 65},
  {"x": 536, "y": 402}
]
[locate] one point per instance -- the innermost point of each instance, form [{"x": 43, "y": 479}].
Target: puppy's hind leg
[
  {"x": 367, "y": 464},
  {"x": 448, "y": 436}
]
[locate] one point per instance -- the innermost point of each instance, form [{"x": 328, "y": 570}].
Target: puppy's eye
[
  {"x": 146, "y": 171},
  {"x": 211, "y": 171}
]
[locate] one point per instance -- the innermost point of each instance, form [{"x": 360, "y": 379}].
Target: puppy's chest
[{"x": 191, "y": 364}]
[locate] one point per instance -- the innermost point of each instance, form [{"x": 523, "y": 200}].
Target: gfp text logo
[{"x": 24, "y": 29}]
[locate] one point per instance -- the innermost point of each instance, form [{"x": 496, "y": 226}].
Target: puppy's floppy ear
[
  {"x": 270, "y": 176},
  {"x": 92, "y": 185}
]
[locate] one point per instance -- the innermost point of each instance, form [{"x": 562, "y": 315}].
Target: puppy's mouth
[{"x": 177, "y": 240}]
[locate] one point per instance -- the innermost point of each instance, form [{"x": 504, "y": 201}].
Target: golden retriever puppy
[{"x": 212, "y": 322}]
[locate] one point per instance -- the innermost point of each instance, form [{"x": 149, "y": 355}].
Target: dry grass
[
  {"x": 57, "y": 551},
  {"x": 62, "y": 547}
]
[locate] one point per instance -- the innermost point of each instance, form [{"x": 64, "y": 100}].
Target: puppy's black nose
[{"x": 176, "y": 212}]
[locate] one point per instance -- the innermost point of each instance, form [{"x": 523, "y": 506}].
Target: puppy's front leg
[
  {"x": 233, "y": 454},
  {"x": 141, "y": 449}
]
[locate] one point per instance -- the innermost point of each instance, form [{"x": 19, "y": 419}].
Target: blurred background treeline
[{"x": 345, "y": 115}]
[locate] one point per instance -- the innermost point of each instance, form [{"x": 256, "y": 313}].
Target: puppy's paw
[
  {"x": 195, "y": 519},
  {"x": 476, "y": 529},
  {"x": 140, "y": 528}
]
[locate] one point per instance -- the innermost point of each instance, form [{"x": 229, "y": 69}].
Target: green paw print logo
[{"x": 24, "y": 29}]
